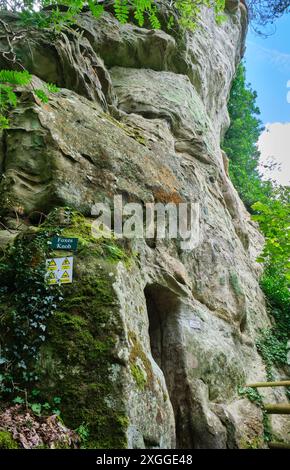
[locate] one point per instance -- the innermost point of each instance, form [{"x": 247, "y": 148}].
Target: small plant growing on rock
[{"x": 9, "y": 79}]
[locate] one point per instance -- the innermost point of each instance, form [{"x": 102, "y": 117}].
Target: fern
[
  {"x": 8, "y": 98},
  {"x": 34, "y": 19},
  {"x": 4, "y": 123},
  {"x": 121, "y": 9},
  {"x": 139, "y": 12},
  {"x": 187, "y": 10},
  {"x": 41, "y": 95},
  {"x": 52, "y": 88},
  {"x": 15, "y": 78},
  {"x": 95, "y": 8},
  {"x": 170, "y": 22},
  {"x": 154, "y": 21}
]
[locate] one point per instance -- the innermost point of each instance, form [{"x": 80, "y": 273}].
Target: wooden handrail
[
  {"x": 278, "y": 445},
  {"x": 278, "y": 409},
  {"x": 282, "y": 383}
]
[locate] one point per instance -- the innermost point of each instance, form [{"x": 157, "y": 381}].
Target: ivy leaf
[
  {"x": 36, "y": 408},
  {"x": 18, "y": 400}
]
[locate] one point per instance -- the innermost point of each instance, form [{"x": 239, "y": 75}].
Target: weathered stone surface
[
  {"x": 142, "y": 117},
  {"x": 66, "y": 59}
]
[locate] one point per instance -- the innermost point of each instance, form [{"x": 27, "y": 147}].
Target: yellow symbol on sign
[
  {"x": 65, "y": 277},
  {"x": 51, "y": 279},
  {"x": 65, "y": 264},
  {"x": 52, "y": 265}
]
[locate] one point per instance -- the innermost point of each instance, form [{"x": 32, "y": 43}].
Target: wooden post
[
  {"x": 279, "y": 445},
  {"x": 278, "y": 409},
  {"x": 282, "y": 383}
]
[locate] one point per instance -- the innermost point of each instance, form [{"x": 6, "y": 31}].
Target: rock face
[{"x": 141, "y": 114}]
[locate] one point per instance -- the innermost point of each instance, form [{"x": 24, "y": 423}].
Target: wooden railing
[{"x": 276, "y": 408}]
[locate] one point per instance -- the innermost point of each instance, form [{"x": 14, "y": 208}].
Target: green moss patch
[
  {"x": 138, "y": 355},
  {"x": 77, "y": 358},
  {"x": 7, "y": 441}
]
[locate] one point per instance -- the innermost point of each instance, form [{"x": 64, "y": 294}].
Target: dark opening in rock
[{"x": 163, "y": 307}]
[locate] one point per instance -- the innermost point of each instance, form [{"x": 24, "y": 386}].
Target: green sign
[{"x": 63, "y": 243}]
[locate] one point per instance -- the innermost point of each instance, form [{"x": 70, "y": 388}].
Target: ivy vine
[{"x": 26, "y": 303}]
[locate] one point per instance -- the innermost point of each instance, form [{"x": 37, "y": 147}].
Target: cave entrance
[{"x": 163, "y": 307}]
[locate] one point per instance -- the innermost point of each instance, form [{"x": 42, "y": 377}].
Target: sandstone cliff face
[{"x": 141, "y": 113}]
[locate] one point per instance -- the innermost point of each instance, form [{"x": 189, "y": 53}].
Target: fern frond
[
  {"x": 154, "y": 21},
  {"x": 139, "y": 16},
  {"x": 7, "y": 97},
  {"x": 15, "y": 78},
  {"x": 95, "y": 8},
  {"x": 41, "y": 95},
  {"x": 121, "y": 9},
  {"x": 4, "y": 123},
  {"x": 52, "y": 88}
]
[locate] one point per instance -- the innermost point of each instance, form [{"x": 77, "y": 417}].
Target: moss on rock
[
  {"x": 138, "y": 376},
  {"x": 78, "y": 360},
  {"x": 7, "y": 441},
  {"x": 143, "y": 378}
]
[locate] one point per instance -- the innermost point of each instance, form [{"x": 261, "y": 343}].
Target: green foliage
[
  {"x": 255, "y": 397},
  {"x": 274, "y": 220},
  {"x": 15, "y": 78},
  {"x": 252, "y": 394},
  {"x": 33, "y": 19},
  {"x": 96, "y": 8},
  {"x": 189, "y": 11},
  {"x": 62, "y": 14},
  {"x": 7, "y": 441},
  {"x": 38, "y": 408},
  {"x": 71, "y": 349},
  {"x": 272, "y": 343},
  {"x": 240, "y": 142},
  {"x": 4, "y": 123},
  {"x": 83, "y": 431},
  {"x": 8, "y": 98},
  {"x": 271, "y": 207},
  {"x": 52, "y": 88},
  {"x": 121, "y": 9},
  {"x": 26, "y": 302},
  {"x": 41, "y": 95},
  {"x": 138, "y": 375},
  {"x": 272, "y": 349}
]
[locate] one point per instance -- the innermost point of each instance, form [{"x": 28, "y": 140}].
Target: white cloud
[
  {"x": 274, "y": 144},
  {"x": 279, "y": 59}
]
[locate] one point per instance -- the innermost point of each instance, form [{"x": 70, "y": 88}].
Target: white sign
[
  {"x": 195, "y": 324},
  {"x": 59, "y": 270}
]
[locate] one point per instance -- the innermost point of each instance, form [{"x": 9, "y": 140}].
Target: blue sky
[{"x": 268, "y": 71}]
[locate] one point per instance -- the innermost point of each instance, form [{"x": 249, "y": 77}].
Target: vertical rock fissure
[{"x": 163, "y": 307}]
